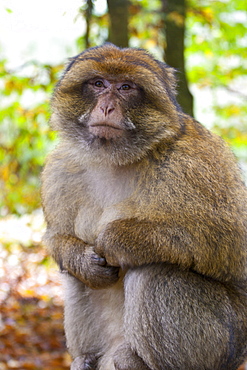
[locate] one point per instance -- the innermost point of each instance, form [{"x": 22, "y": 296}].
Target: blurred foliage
[
  {"x": 25, "y": 138},
  {"x": 216, "y": 62},
  {"x": 216, "y": 54}
]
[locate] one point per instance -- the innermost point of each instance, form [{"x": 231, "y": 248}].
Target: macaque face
[
  {"x": 107, "y": 120},
  {"x": 115, "y": 104}
]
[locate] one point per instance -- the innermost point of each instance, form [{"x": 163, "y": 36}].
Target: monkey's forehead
[
  {"x": 112, "y": 62},
  {"x": 111, "y": 57}
]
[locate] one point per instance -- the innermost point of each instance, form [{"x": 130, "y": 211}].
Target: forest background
[{"x": 205, "y": 40}]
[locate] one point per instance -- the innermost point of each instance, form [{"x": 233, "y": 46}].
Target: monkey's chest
[
  {"x": 86, "y": 224},
  {"x": 99, "y": 203}
]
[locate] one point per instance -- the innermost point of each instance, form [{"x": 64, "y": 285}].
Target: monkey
[{"x": 146, "y": 216}]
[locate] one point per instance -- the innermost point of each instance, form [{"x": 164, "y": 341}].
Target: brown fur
[{"x": 146, "y": 210}]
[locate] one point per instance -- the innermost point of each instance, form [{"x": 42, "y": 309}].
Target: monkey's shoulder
[
  {"x": 198, "y": 151},
  {"x": 198, "y": 168},
  {"x": 62, "y": 165}
]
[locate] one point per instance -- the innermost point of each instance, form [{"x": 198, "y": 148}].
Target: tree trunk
[
  {"x": 88, "y": 16},
  {"x": 174, "y": 16},
  {"x": 118, "y": 29}
]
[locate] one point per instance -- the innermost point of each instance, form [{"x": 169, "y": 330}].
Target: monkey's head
[{"x": 116, "y": 104}]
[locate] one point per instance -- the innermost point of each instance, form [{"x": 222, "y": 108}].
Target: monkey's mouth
[{"x": 108, "y": 131}]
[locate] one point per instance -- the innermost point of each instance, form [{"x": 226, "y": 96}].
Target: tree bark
[
  {"x": 118, "y": 29},
  {"x": 174, "y": 16},
  {"x": 88, "y": 16}
]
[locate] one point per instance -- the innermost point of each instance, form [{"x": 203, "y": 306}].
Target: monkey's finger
[{"x": 95, "y": 258}]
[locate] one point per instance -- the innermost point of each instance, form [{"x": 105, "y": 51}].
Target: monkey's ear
[{"x": 170, "y": 76}]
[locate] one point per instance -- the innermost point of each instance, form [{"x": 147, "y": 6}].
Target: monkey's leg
[
  {"x": 93, "y": 323},
  {"x": 180, "y": 320},
  {"x": 126, "y": 359}
]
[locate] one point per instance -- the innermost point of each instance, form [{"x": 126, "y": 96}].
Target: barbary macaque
[{"x": 146, "y": 216}]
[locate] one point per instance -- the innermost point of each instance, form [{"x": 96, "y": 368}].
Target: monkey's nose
[{"x": 107, "y": 109}]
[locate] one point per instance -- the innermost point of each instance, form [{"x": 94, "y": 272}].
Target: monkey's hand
[
  {"x": 93, "y": 270},
  {"x": 80, "y": 260}
]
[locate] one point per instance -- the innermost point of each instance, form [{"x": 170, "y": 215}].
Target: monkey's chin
[
  {"x": 100, "y": 151},
  {"x": 106, "y": 132}
]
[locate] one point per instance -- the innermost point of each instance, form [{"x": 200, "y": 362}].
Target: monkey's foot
[{"x": 86, "y": 362}]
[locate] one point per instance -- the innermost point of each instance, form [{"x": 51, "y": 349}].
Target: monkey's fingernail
[
  {"x": 102, "y": 261},
  {"x": 99, "y": 260}
]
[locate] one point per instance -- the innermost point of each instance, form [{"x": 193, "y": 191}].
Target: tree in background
[
  {"x": 174, "y": 24},
  {"x": 118, "y": 25}
]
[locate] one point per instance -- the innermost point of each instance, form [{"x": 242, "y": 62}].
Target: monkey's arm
[
  {"x": 80, "y": 260},
  {"x": 133, "y": 242}
]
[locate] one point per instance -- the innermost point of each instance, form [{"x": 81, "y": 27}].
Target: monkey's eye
[
  {"x": 98, "y": 83},
  {"x": 125, "y": 87}
]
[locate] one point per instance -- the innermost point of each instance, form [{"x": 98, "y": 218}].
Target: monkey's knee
[
  {"x": 126, "y": 359},
  {"x": 181, "y": 320}
]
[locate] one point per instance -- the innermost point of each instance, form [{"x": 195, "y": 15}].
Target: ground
[{"x": 31, "y": 305}]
